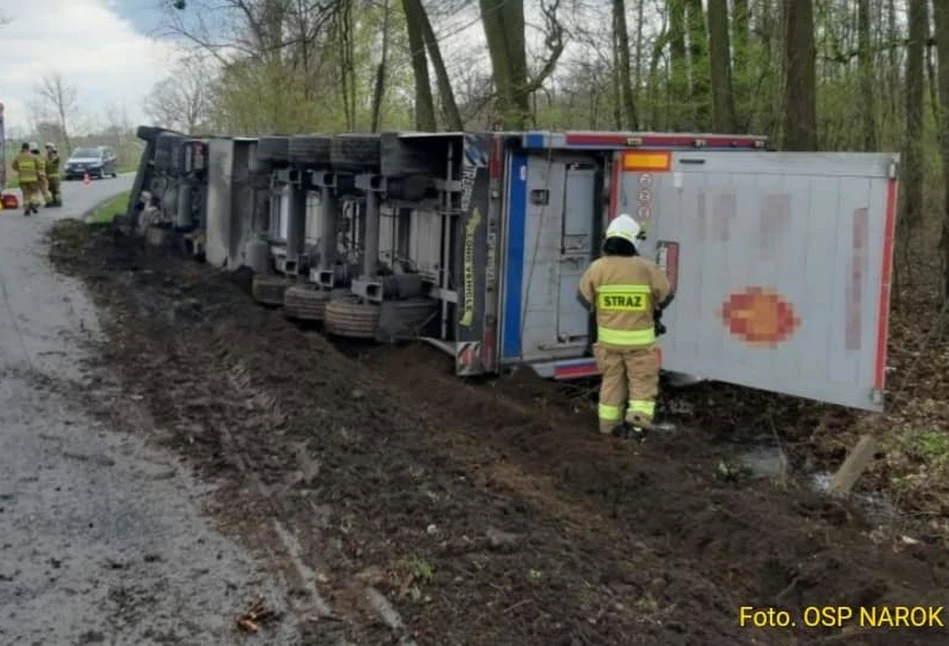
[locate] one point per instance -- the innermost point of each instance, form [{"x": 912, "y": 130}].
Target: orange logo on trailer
[{"x": 760, "y": 317}]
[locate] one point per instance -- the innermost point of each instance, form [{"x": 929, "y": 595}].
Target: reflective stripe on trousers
[
  {"x": 645, "y": 407},
  {"x": 609, "y": 413},
  {"x": 627, "y": 338}
]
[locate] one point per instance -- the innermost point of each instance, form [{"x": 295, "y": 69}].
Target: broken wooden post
[{"x": 853, "y": 467}]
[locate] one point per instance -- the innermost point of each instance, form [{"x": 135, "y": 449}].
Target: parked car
[{"x": 98, "y": 162}]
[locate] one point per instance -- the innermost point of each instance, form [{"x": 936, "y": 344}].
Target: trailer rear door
[{"x": 782, "y": 264}]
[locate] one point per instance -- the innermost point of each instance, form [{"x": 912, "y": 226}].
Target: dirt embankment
[{"x": 485, "y": 513}]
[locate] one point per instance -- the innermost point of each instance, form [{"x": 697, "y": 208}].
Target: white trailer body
[{"x": 781, "y": 262}]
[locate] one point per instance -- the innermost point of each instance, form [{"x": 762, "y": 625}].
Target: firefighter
[
  {"x": 628, "y": 293},
  {"x": 43, "y": 184},
  {"x": 52, "y": 174},
  {"x": 26, "y": 169}
]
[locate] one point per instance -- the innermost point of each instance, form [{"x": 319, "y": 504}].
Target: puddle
[
  {"x": 767, "y": 460},
  {"x": 874, "y": 504},
  {"x": 763, "y": 461}
]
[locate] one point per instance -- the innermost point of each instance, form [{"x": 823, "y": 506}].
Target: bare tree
[
  {"x": 720, "y": 69},
  {"x": 59, "y": 98},
  {"x": 182, "y": 101},
  {"x": 800, "y": 85}
]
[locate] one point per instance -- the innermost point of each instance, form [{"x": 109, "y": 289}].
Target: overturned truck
[{"x": 475, "y": 242}]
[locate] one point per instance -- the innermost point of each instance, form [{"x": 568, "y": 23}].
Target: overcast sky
[{"x": 99, "y": 46}]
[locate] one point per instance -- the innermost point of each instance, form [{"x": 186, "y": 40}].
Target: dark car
[{"x": 98, "y": 162}]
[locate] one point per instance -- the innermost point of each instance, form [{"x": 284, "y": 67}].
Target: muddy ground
[{"x": 406, "y": 506}]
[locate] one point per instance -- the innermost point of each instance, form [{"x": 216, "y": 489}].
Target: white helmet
[
  {"x": 50, "y": 145},
  {"x": 34, "y": 146},
  {"x": 623, "y": 226}
]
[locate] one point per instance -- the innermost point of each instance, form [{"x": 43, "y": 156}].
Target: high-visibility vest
[
  {"x": 40, "y": 166},
  {"x": 25, "y": 166},
  {"x": 630, "y": 299},
  {"x": 52, "y": 167}
]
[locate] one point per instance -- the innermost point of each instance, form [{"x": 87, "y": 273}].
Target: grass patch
[{"x": 108, "y": 210}]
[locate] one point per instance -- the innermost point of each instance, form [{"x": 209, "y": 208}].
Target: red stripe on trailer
[
  {"x": 494, "y": 166},
  {"x": 615, "y": 174},
  {"x": 487, "y": 349},
  {"x": 886, "y": 276},
  {"x": 679, "y": 141},
  {"x": 690, "y": 140},
  {"x": 576, "y": 370},
  {"x": 580, "y": 139}
]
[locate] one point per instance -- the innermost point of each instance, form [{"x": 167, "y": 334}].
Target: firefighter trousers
[
  {"x": 44, "y": 190},
  {"x": 54, "y": 191},
  {"x": 630, "y": 382},
  {"x": 31, "y": 196}
]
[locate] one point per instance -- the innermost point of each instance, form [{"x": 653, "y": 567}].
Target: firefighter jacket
[
  {"x": 40, "y": 166},
  {"x": 26, "y": 168},
  {"x": 52, "y": 166},
  {"x": 625, "y": 291}
]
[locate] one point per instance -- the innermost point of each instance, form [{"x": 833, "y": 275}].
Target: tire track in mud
[
  {"x": 268, "y": 407},
  {"x": 390, "y": 469}
]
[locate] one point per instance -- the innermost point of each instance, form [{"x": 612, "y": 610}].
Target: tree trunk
[
  {"x": 379, "y": 90},
  {"x": 700, "y": 96},
  {"x": 867, "y": 89},
  {"x": 741, "y": 55},
  {"x": 638, "y": 84},
  {"x": 800, "y": 91},
  {"x": 424, "y": 103},
  {"x": 344, "y": 31},
  {"x": 503, "y": 22},
  {"x": 912, "y": 181},
  {"x": 445, "y": 93},
  {"x": 720, "y": 68},
  {"x": 621, "y": 37},
  {"x": 679, "y": 72},
  {"x": 941, "y": 11}
]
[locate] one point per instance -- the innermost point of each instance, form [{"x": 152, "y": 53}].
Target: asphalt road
[{"x": 102, "y": 539}]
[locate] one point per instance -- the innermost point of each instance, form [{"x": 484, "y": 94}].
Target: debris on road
[{"x": 257, "y": 614}]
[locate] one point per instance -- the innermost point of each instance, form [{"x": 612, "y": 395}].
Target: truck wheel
[
  {"x": 273, "y": 148},
  {"x": 305, "y": 302},
  {"x": 399, "y": 157},
  {"x": 310, "y": 149},
  {"x": 269, "y": 290},
  {"x": 350, "y": 318},
  {"x": 355, "y": 152}
]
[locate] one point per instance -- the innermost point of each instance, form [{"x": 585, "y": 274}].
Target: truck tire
[
  {"x": 305, "y": 302},
  {"x": 269, "y": 290},
  {"x": 310, "y": 149},
  {"x": 398, "y": 157},
  {"x": 348, "y": 317},
  {"x": 355, "y": 152},
  {"x": 274, "y": 148}
]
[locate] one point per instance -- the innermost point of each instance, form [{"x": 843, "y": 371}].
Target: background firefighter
[
  {"x": 53, "y": 175},
  {"x": 627, "y": 292},
  {"x": 25, "y": 165},
  {"x": 42, "y": 188}
]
